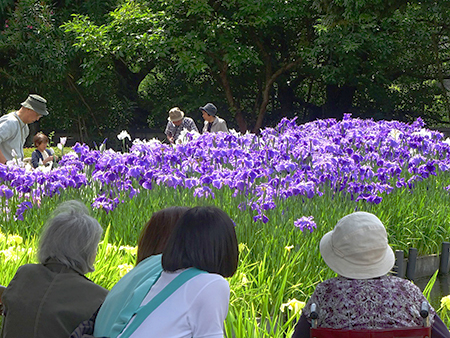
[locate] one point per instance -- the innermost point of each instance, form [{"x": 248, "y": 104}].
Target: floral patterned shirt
[{"x": 358, "y": 304}]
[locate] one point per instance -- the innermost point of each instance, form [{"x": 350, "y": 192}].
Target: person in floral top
[{"x": 364, "y": 296}]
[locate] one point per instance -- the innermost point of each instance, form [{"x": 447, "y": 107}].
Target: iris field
[{"x": 284, "y": 189}]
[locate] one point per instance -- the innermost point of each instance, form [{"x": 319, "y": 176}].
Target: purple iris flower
[
  {"x": 240, "y": 185},
  {"x": 21, "y": 209},
  {"x": 415, "y": 160},
  {"x": 268, "y": 205},
  {"x": 6, "y": 192},
  {"x": 306, "y": 223},
  {"x": 146, "y": 184},
  {"x": 204, "y": 192},
  {"x": 217, "y": 183},
  {"x": 242, "y": 206},
  {"x": 261, "y": 217},
  {"x": 361, "y": 158},
  {"x": 105, "y": 203}
]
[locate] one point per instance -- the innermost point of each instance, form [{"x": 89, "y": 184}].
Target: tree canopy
[{"x": 118, "y": 64}]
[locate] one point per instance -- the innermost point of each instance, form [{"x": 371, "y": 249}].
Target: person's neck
[
  {"x": 21, "y": 115},
  {"x": 213, "y": 118}
]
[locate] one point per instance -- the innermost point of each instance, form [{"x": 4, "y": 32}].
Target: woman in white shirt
[{"x": 204, "y": 238}]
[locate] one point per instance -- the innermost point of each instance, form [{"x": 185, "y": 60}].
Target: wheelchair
[{"x": 423, "y": 331}]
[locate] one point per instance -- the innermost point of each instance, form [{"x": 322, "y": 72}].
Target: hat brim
[
  {"x": 175, "y": 120},
  {"x": 207, "y": 111},
  {"x": 37, "y": 110},
  {"x": 351, "y": 270}
]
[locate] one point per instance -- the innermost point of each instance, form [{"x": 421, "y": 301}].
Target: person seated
[
  {"x": 213, "y": 123},
  {"x": 176, "y": 123},
  {"x": 51, "y": 298},
  {"x": 152, "y": 241},
  {"x": 363, "y": 295},
  {"x": 203, "y": 239},
  {"x": 2, "y": 288},
  {"x": 41, "y": 155}
]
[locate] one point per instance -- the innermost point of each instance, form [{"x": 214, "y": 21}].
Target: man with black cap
[
  {"x": 14, "y": 127},
  {"x": 213, "y": 123}
]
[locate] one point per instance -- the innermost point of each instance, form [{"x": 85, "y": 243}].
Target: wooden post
[
  {"x": 444, "y": 262},
  {"x": 411, "y": 266},
  {"x": 399, "y": 260}
]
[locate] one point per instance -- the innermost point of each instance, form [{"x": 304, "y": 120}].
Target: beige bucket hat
[
  {"x": 357, "y": 247},
  {"x": 175, "y": 114}
]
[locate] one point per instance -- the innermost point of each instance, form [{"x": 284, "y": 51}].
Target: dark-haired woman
[
  {"x": 204, "y": 239},
  {"x": 126, "y": 296}
]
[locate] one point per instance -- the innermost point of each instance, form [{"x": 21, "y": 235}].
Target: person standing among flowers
[
  {"x": 213, "y": 123},
  {"x": 14, "y": 127},
  {"x": 177, "y": 122},
  {"x": 364, "y": 296}
]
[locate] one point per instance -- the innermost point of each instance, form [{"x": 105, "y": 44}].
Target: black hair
[{"x": 203, "y": 238}]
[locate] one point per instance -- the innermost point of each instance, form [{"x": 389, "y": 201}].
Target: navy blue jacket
[{"x": 36, "y": 156}]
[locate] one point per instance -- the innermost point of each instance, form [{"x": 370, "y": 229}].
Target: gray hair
[{"x": 71, "y": 237}]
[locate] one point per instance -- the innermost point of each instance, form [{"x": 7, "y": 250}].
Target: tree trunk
[
  {"x": 74, "y": 88},
  {"x": 223, "y": 75},
  {"x": 128, "y": 88},
  {"x": 339, "y": 100},
  {"x": 270, "y": 79},
  {"x": 440, "y": 75}
]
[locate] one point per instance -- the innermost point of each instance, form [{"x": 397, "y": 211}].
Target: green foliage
[
  {"x": 429, "y": 286},
  {"x": 39, "y": 50},
  {"x": 37, "y": 56},
  {"x": 246, "y": 48},
  {"x": 132, "y": 36},
  {"x": 277, "y": 263},
  {"x": 28, "y": 151},
  {"x": 236, "y": 44},
  {"x": 374, "y": 45},
  {"x": 301, "y": 58}
]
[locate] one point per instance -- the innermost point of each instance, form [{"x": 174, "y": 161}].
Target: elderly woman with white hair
[
  {"x": 364, "y": 296},
  {"x": 51, "y": 298}
]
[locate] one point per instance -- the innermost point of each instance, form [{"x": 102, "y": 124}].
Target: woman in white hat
[{"x": 364, "y": 296}]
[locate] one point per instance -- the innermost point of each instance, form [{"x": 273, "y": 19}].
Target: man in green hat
[{"x": 14, "y": 127}]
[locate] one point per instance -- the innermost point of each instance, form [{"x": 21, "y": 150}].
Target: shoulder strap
[
  {"x": 144, "y": 311},
  {"x": 20, "y": 125}
]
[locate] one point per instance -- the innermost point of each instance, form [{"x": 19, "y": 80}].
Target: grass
[
  {"x": 278, "y": 262},
  {"x": 28, "y": 151}
]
